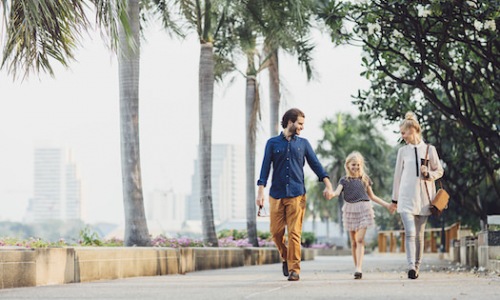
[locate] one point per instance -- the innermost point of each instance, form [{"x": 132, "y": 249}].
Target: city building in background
[
  {"x": 57, "y": 186},
  {"x": 228, "y": 185},
  {"x": 165, "y": 211}
]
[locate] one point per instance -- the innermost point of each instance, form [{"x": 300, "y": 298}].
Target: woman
[{"x": 412, "y": 173}]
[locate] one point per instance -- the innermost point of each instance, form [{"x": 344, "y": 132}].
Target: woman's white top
[{"x": 409, "y": 185}]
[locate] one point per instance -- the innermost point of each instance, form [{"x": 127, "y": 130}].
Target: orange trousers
[{"x": 289, "y": 213}]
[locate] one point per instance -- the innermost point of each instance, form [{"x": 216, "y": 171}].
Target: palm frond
[{"x": 38, "y": 32}]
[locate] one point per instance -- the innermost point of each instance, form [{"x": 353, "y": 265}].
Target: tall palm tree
[
  {"x": 211, "y": 20},
  {"x": 39, "y": 31},
  {"x": 206, "y": 100},
  {"x": 257, "y": 19},
  {"x": 136, "y": 229},
  {"x": 247, "y": 37},
  {"x": 252, "y": 103}
]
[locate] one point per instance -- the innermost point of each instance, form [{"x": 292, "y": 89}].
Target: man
[{"x": 287, "y": 154}]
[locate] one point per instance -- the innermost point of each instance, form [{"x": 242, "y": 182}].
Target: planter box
[{"x": 20, "y": 267}]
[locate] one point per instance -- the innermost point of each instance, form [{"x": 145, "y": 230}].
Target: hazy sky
[{"x": 79, "y": 108}]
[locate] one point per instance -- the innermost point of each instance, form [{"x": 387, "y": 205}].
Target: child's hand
[
  {"x": 328, "y": 193},
  {"x": 392, "y": 207}
]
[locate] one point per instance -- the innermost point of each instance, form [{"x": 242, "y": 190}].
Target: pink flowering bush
[
  {"x": 162, "y": 241},
  {"x": 30, "y": 243},
  {"x": 90, "y": 238}
]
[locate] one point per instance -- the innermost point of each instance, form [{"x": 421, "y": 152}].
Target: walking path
[{"x": 325, "y": 277}]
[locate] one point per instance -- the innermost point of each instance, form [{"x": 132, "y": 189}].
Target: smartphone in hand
[{"x": 424, "y": 162}]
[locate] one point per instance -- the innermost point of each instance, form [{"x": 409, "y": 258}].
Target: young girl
[{"x": 357, "y": 212}]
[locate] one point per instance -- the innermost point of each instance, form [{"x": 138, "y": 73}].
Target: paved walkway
[{"x": 326, "y": 277}]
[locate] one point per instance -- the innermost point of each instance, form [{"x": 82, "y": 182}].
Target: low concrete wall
[
  {"x": 489, "y": 250},
  {"x": 16, "y": 267},
  {"x": 98, "y": 263},
  {"x": 21, "y": 267},
  {"x": 54, "y": 265}
]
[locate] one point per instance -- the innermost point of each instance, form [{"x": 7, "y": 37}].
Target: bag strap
[{"x": 425, "y": 182}]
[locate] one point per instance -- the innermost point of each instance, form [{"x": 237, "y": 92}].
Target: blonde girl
[{"x": 357, "y": 211}]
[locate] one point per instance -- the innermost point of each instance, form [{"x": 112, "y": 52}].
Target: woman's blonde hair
[
  {"x": 410, "y": 121},
  {"x": 356, "y": 156}
]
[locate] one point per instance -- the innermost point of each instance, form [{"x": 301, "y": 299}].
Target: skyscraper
[
  {"x": 164, "y": 211},
  {"x": 57, "y": 186},
  {"x": 228, "y": 185}
]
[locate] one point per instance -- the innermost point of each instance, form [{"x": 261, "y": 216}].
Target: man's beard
[{"x": 293, "y": 130}]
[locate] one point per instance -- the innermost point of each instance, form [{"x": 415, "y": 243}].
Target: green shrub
[{"x": 308, "y": 239}]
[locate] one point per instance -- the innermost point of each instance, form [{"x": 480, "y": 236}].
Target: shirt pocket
[
  {"x": 279, "y": 153},
  {"x": 298, "y": 153}
]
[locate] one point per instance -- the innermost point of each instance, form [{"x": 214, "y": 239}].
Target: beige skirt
[{"x": 357, "y": 215}]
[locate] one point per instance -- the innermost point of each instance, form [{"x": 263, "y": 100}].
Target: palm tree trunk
[
  {"x": 274, "y": 92},
  {"x": 206, "y": 86},
  {"x": 251, "y": 108},
  {"x": 314, "y": 226},
  {"x": 327, "y": 228},
  {"x": 136, "y": 229}
]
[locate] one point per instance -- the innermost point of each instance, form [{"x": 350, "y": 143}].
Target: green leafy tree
[
  {"x": 441, "y": 60},
  {"x": 472, "y": 194}
]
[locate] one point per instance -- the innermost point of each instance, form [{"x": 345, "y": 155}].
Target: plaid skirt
[{"x": 357, "y": 215}]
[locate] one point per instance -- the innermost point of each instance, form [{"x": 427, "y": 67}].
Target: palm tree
[
  {"x": 255, "y": 19},
  {"x": 136, "y": 229},
  {"x": 38, "y": 31},
  {"x": 252, "y": 103},
  {"x": 247, "y": 34},
  {"x": 286, "y": 27},
  {"x": 211, "y": 21}
]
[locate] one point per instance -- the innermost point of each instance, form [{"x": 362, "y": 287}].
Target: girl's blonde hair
[
  {"x": 356, "y": 156},
  {"x": 410, "y": 121}
]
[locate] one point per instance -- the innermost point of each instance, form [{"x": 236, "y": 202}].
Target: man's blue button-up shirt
[{"x": 287, "y": 159}]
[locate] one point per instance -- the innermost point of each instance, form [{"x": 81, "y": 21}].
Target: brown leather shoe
[
  {"x": 293, "y": 276},
  {"x": 285, "y": 268}
]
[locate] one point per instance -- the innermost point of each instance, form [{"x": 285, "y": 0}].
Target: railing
[{"x": 393, "y": 240}]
